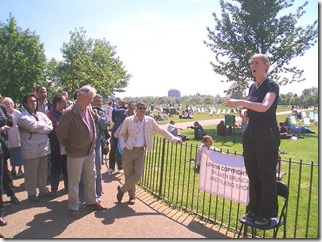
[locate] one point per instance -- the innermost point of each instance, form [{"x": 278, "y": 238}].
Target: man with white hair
[{"x": 76, "y": 132}]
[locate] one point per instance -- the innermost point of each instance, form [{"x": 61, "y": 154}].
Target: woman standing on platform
[{"x": 261, "y": 141}]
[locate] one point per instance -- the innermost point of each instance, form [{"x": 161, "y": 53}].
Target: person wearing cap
[{"x": 136, "y": 138}]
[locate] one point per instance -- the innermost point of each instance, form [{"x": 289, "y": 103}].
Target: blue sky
[{"x": 159, "y": 41}]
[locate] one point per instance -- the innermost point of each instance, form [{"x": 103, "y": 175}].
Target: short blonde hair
[{"x": 263, "y": 57}]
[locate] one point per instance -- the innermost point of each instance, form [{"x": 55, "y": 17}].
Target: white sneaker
[
  {"x": 99, "y": 200},
  {"x": 109, "y": 170},
  {"x": 121, "y": 171}
]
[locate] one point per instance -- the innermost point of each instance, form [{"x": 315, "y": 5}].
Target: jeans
[{"x": 98, "y": 163}]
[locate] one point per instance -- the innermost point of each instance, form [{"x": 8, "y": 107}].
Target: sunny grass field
[
  {"x": 305, "y": 149},
  {"x": 302, "y": 180},
  {"x": 302, "y": 149}
]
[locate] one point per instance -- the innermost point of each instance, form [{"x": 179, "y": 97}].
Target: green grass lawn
[
  {"x": 205, "y": 116},
  {"x": 302, "y": 149}
]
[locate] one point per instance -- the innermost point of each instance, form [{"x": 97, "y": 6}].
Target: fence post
[{"x": 162, "y": 166}]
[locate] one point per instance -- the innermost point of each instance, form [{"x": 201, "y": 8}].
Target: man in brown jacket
[{"x": 76, "y": 132}]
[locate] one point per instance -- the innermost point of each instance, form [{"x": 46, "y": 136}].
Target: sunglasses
[{"x": 142, "y": 108}]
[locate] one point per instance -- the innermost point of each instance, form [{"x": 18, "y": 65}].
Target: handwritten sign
[{"x": 224, "y": 175}]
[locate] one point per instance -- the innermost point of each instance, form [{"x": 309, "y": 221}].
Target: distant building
[{"x": 174, "y": 93}]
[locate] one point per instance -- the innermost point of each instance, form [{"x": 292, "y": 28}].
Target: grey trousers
[
  {"x": 36, "y": 173},
  {"x": 85, "y": 167}
]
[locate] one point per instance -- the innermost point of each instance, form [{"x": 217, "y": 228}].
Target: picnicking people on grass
[
  {"x": 222, "y": 128},
  {"x": 174, "y": 130},
  {"x": 297, "y": 129},
  {"x": 261, "y": 141},
  {"x": 199, "y": 132}
]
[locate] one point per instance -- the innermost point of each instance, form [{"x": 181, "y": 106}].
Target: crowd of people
[{"x": 48, "y": 141}]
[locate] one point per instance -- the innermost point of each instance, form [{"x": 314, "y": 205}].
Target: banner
[{"x": 224, "y": 175}]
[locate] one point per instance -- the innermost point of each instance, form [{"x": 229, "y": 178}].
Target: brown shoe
[
  {"x": 131, "y": 201},
  {"x": 120, "y": 194},
  {"x": 95, "y": 207}
]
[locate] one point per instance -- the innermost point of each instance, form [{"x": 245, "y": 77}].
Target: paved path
[{"x": 146, "y": 219}]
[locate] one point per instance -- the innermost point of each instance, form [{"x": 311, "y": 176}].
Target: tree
[
  {"x": 22, "y": 60},
  {"x": 313, "y": 91},
  {"x": 209, "y": 100},
  {"x": 53, "y": 78},
  {"x": 310, "y": 96},
  {"x": 254, "y": 27},
  {"x": 89, "y": 61}
]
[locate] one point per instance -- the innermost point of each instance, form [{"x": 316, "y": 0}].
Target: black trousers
[
  {"x": 5, "y": 183},
  {"x": 7, "y": 180},
  {"x": 261, "y": 156},
  {"x": 114, "y": 155},
  {"x": 58, "y": 166}
]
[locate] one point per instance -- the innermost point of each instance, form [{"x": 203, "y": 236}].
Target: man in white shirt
[
  {"x": 136, "y": 137},
  {"x": 173, "y": 129}
]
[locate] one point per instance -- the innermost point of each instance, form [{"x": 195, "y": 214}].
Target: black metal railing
[{"x": 172, "y": 176}]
